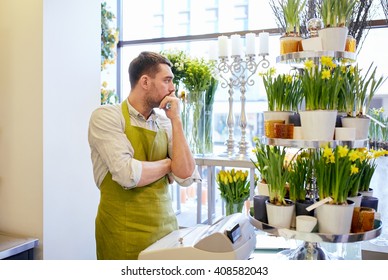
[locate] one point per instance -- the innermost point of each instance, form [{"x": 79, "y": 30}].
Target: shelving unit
[
  {"x": 310, "y": 249},
  {"x": 297, "y": 59}
]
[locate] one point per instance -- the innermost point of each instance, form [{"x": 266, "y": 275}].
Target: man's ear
[{"x": 144, "y": 81}]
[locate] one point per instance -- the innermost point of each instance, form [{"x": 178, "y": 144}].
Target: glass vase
[
  {"x": 208, "y": 133},
  {"x": 232, "y": 207},
  {"x": 195, "y": 121}
]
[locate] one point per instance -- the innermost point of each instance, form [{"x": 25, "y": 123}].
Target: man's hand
[
  {"x": 171, "y": 105},
  {"x": 170, "y": 178}
]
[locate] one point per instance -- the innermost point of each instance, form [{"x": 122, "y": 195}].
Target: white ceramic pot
[
  {"x": 262, "y": 189},
  {"x": 335, "y": 219},
  {"x": 356, "y": 199},
  {"x": 312, "y": 44},
  {"x": 345, "y": 133},
  {"x": 277, "y": 115},
  {"x": 318, "y": 124},
  {"x": 280, "y": 216},
  {"x": 367, "y": 193},
  {"x": 360, "y": 124},
  {"x": 333, "y": 38}
]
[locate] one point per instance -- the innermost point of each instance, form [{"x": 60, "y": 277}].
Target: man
[{"x": 136, "y": 152}]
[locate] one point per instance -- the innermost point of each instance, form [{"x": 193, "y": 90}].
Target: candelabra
[{"x": 238, "y": 74}]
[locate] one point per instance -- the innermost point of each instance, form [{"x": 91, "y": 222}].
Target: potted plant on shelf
[
  {"x": 358, "y": 91},
  {"x": 335, "y": 16},
  {"x": 260, "y": 164},
  {"x": 279, "y": 209},
  {"x": 334, "y": 169},
  {"x": 321, "y": 85},
  {"x": 368, "y": 166},
  {"x": 234, "y": 189},
  {"x": 283, "y": 98},
  {"x": 291, "y": 40},
  {"x": 300, "y": 174}
]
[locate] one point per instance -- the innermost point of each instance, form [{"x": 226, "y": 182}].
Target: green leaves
[
  {"x": 198, "y": 74},
  {"x": 291, "y": 11},
  {"x": 283, "y": 91},
  {"x": 109, "y": 37},
  {"x": 336, "y": 12},
  {"x": 321, "y": 84},
  {"x": 271, "y": 163}
]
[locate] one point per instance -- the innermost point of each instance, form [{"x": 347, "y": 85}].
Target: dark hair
[{"x": 146, "y": 63}]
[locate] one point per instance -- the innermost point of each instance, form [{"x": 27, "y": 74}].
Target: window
[{"x": 201, "y": 21}]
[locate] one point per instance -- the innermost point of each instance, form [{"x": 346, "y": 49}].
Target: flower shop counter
[{"x": 14, "y": 247}]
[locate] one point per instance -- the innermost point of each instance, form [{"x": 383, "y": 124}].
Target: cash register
[{"x": 231, "y": 238}]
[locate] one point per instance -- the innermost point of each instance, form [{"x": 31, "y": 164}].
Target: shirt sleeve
[
  {"x": 164, "y": 122},
  {"x": 112, "y": 148},
  {"x": 194, "y": 178}
]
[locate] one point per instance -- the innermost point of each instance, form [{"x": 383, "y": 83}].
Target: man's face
[{"x": 161, "y": 86}]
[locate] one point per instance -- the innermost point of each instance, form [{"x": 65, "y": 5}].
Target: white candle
[
  {"x": 223, "y": 46},
  {"x": 212, "y": 51},
  {"x": 250, "y": 41},
  {"x": 263, "y": 47},
  {"x": 236, "y": 44}
]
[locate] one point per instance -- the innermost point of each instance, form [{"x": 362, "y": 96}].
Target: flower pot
[
  {"x": 298, "y": 133},
  {"x": 318, "y": 124},
  {"x": 335, "y": 219},
  {"x": 312, "y": 44},
  {"x": 351, "y": 44},
  {"x": 370, "y": 201},
  {"x": 333, "y": 38},
  {"x": 269, "y": 127},
  {"x": 290, "y": 43},
  {"x": 345, "y": 133},
  {"x": 259, "y": 208},
  {"x": 369, "y": 192},
  {"x": 363, "y": 219},
  {"x": 280, "y": 215},
  {"x": 356, "y": 199},
  {"x": 294, "y": 119},
  {"x": 360, "y": 124},
  {"x": 262, "y": 189},
  {"x": 278, "y": 115},
  {"x": 301, "y": 205}
]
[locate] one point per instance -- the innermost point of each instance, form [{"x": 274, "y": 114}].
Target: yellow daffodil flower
[
  {"x": 309, "y": 64},
  {"x": 326, "y": 74},
  {"x": 353, "y": 169},
  {"x": 343, "y": 151}
]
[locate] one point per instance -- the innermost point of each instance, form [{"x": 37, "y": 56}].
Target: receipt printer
[{"x": 231, "y": 238}]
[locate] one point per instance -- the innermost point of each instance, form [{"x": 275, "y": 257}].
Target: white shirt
[{"x": 112, "y": 151}]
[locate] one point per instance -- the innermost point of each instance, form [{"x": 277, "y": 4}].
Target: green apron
[{"x": 128, "y": 221}]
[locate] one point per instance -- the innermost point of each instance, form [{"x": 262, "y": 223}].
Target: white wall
[
  {"x": 71, "y": 86},
  {"x": 21, "y": 118},
  {"x": 50, "y": 80}
]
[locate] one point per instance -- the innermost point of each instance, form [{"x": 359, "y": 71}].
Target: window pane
[{"x": 179, "y": 18}]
